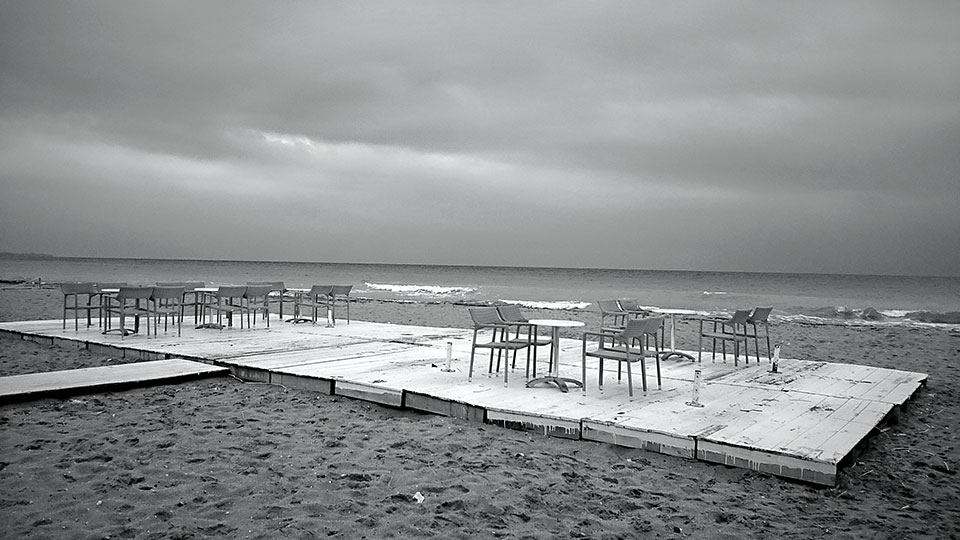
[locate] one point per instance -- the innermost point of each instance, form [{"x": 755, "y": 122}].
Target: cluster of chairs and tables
[
  {"x": 212, "y": 307},
  {"x": 627, "y": 334}
]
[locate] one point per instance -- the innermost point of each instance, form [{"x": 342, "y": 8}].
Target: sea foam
[
  {"x": 533, "y": 304},
  {"x": 420, "y": 290}
]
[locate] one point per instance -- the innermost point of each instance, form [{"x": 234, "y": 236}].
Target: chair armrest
[
  {"x": 493, "y": 325},
  {"x": 601, "y": 336}
]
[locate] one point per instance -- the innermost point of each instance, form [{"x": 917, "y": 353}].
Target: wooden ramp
[
  {"x": 801, "y": 423},
  {"x": 98, "y": 379}
]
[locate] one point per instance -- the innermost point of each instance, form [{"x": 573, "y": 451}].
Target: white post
[
  {"x": 330, "y": 323},
  {"x": 697, "y": 381},
  {"x": 449, "y": 355},
  {"x": 775, "y": 361}
]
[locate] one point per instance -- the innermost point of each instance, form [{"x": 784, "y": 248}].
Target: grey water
[{"x": 805, "y": 297}]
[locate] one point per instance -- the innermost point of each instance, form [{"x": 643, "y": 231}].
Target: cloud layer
[{"x": 790, "y": 137}]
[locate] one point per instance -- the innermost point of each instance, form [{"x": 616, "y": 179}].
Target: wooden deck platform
[{"x": 800, "y": 423}]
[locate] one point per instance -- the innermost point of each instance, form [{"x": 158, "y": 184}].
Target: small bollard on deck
[
  {"x": 330, "y": 322},
  {"x": 449, "y": 369},
  {"x": 775, "y": 361},
  {"x": 697, "y": 381}
]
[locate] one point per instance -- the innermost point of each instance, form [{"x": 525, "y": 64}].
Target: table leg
[
  {"x": 673, "y": 341},
  {"x": 298, "y": 317},
  {"x": 203, "y": 315},
  {"x": 554, "y": 376}
]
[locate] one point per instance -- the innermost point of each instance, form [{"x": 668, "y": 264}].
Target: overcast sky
[{"x": 756, "y": 136}]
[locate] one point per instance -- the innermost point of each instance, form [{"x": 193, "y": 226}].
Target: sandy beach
[{"x": 225, "y": 458}]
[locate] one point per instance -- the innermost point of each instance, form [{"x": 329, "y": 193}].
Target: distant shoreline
[
  {"x": 17, "y": 256},
  {"x": 9, "y": 255}
]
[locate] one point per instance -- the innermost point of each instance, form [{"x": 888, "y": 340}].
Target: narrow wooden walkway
[
  {"x": 98, "y": 379},
  {"x": 800, "y": 423}
]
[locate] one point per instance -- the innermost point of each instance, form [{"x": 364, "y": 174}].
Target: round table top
[
  {"x": 673, "y": 311},
  {"x": 558, "y": 323}
]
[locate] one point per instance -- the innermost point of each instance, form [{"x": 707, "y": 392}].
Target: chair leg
[
  {"x": 473, "y": 351},
  {"x": 583, "y": 377},
  {"x": 630, "y": 380},
  {"x": 643, "y": 369},
  {"x": 600, "y": 378},
  {"x": 766, "y": 329}
]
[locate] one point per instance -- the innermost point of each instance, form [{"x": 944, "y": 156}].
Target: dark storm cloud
[{"x": 768, "y": 136}]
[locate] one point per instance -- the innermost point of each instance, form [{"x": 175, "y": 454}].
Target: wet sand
[{"x": 224, "y": 458}]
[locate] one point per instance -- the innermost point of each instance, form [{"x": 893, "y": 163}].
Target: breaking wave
[
  {"x": 562, "y": 305},
  {"x": 848, "y": 315},
  {"x": 421, "y": 290}
]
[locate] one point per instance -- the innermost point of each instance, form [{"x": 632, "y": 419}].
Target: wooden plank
[
  {"x": 768, "y": 462},
  {"x": 369, "y": 392},
  {"x": 75, "y": 381},
  {"x": 446, "y": 407},
  {"x": 555, "y": 427},
  {"x": 661, "y": 443}
]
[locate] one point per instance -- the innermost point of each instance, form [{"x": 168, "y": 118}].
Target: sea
[{"x": 804, "y": 298}]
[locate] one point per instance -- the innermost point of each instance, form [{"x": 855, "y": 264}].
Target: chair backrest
[
  {"x": 609, "y": 307},
  {"x": 274, "y": 285},
  {"x": 258, "y": 292},
  {"x": 655, "y": 324},
  {"x": 740, "y": 316},
  {"x": 321, "y": 290},
  {"x": 78, "y": 287},
  {"x": 760, "y": 315},
  {"x": 134, "y": 293},
  {"x": 341, "y": 290},
  {"x": 485, "y": 316},
  {"x": 637, "y": 328},
  {"x": 191, "y": 286},
  {"x": 628, "y": 304},
  {"x": 231, "y": 291},
  {"x": 102, "y": 286},
  {"x": 511, "y": 313},
  {"x": 168, "y": 293}
]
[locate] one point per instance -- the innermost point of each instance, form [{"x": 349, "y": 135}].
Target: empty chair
[
  {"x": 627, "y": 347},
  {"x": 191, "y": 297},
  {"x": 760, "y": 317},
  {"x": 279, "y": 294},
  {"x": 341, "y": 294},
  {"x": 194, "y": 298},
  {"x": 488, "y": 318},
  {"x": 618, "y": 316},
  {"x": 632, "y": 307},
  {"x": 107, "y": 298},
  {"x": 733, "y": 329},
  {"x": 226, "y": 301},
  {"x": 317, "y": 299},
  {"x": 167, "y": 302},
  {"x": 83, "y": 295},
  {"x": 132, "y": 302},
  {"x": 256, "y": 299},
  {"x": 511, "y": 315}
]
